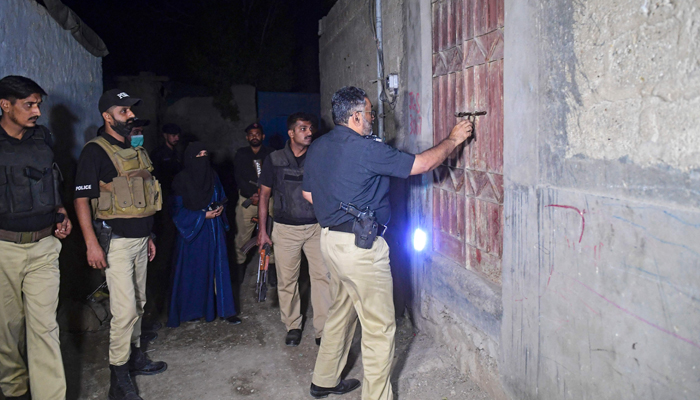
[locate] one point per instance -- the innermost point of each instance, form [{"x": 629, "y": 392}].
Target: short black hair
[
  {"x": 299, "y": 116},
  {"x": 13, "y": 87},
  {"x": 345, "y": 102}
]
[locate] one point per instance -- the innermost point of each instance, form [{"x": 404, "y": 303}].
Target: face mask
[
  {"x": 137, "y": 140},
  {"x": 123, "y": 128}
]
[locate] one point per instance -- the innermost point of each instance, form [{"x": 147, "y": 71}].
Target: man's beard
[
  {"x": 367, "y": 127},
  {"x": 255, "y": 142},
  {"x": 123, "y": 128},
  {"x": 30, "y": 123}
]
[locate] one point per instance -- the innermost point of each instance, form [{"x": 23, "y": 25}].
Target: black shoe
[
  {"x": 121, "y": 387},
  {"x": 148, "y": 337},
  {"x": 318, "y": 341},
  {"x": 151, "y": 326},
  {"x": 140, "y": 364},
  {"x": 293, "y": 337},
  {"x": 233, "y": 320},
  {"x": 345, "y": 386}
]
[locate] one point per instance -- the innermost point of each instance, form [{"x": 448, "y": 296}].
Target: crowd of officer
[{"x": 329, "y": 200}]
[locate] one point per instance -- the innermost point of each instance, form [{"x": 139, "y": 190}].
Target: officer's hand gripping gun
[
  {"x": 470, "y": 116},
  {"x": 261, "y": 286},
  {"x": 365, "y": 227}
]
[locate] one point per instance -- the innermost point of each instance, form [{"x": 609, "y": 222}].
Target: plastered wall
[
  {"x": 601, "y": 253},
  {"x": 32, "y": 44}
]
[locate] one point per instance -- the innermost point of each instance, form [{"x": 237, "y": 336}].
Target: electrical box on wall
[{"x": 392, "y": 82}]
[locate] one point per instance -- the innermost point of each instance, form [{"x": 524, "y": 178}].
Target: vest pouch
[
  {"x": 20, "y": 191},
  {"x": 143, "y": 158},
  {"x": 122, "y": 194},
  {"x": 129, "y": 159},
  {"x": 153, "y": 191},
  {"x": 4, "y": 199},
  {"x": 137, "y": 190},
  {"x": 48, "y": 188},
  {"x": 104, "y": 203}
]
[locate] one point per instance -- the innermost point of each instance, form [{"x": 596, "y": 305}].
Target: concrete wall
[
  {"x": 602, "y": 177},
  {"x": 32, "y": 44},
  {"x": 201, "y": 120}
]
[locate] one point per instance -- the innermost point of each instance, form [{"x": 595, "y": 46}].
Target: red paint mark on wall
[
  {"x": 415, "y": 121},
  {"x": 583, "y": 219}
]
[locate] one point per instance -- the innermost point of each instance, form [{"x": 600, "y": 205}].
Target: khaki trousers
[
  {"x": 361, "y": 287},
  {"x": 245, "y": 228},
  {"x": 126, "y": 279},
  {"x": 289, "y": 241},
  {"x": 29, "y": 281}
]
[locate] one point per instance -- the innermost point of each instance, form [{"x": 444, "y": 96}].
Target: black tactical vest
[
  {"x": 29, "y": 179},
  {"x": 289, "y": 204}
]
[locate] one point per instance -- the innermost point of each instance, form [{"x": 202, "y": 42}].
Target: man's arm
[
  {"x": 95, "y": 255},
  {"x": 308, "y": 196},
  {"x": 263, "y": 206},
  {"x": 433, "y": 157}
]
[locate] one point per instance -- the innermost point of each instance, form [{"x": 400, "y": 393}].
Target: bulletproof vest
[
  {"x": 134, "y": 192},
  {"x": 288, "y": 200},
  {"x": 29, "y": 179}
]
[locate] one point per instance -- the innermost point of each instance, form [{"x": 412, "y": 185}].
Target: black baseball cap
[
  {"x": 254, "y": 125},
  {"x": 171, "y": 129},
  {"x": 116, "y": 97},
  {"x": 141, "y": 122}
]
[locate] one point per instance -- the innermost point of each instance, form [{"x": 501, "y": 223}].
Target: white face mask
[{"x": 137, "y": 140}]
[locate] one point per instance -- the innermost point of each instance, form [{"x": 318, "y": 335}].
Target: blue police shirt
[{"x": 343, "y": 166}]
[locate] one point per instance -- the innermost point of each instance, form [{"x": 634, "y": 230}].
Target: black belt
[{"x": 347, "y": 228}]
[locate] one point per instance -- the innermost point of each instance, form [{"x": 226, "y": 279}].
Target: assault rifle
[{"x": 261, "y": 286}]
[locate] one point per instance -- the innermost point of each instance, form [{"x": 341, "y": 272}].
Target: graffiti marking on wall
[
  {"x": 583, "y": 219},
  {"x": 415, "y": 121}
]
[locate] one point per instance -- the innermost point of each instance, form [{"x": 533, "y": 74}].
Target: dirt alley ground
[{"x": 216, "y": 360}]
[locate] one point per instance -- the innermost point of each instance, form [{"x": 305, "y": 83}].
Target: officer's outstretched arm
[
  {"x": 95, "y": 255},
  {"x": 431, "y": 158}
]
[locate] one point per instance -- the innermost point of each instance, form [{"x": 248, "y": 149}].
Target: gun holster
[
  {"x": 365, "y": 229},
  {"x": 103, "y": 233}
]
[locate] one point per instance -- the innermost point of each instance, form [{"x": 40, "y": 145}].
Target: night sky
[{"x": 271, "y": 44}]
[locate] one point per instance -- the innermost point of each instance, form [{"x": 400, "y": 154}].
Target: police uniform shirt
[
  {"x": 343, "y": 166},
  {"x": 94, "y": 166},
  {"x": 267, "y": 178},
  {"x": 33, "y": 223},
  {"x": 244, "y": 169}
]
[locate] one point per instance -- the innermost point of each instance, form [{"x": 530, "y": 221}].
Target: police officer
[
  {"x": 29, "y": 206},
  {"x": 295, "y": 228},
  {"x": 114, "y": 182},
  {"x": 247, "y": 166},
  {"x": 347, "y": 166}
]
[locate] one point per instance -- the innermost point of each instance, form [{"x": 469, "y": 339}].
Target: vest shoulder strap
[
  {"x": 111, "y": 151},
  {"x": 279, "y": 158}
]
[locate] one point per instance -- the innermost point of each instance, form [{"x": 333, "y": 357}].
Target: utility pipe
[{"x": 380, "y": 73}]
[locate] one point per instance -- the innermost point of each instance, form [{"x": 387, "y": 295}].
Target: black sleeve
[
  {"x": 87, "y": 179},
  {"x": 267, "y": 176}
]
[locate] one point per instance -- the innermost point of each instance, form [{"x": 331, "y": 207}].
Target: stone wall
[{"x": 602, "y": 170}]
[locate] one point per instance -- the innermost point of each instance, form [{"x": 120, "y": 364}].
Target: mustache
[{"x": 33, "y": 118}]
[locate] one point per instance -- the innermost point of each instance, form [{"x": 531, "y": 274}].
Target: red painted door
[{"x": 468, "y": 187}]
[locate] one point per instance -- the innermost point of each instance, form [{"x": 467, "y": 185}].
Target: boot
[
  {"x": 121, "y": 387},
  {"x": 140, "y": 364}
]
